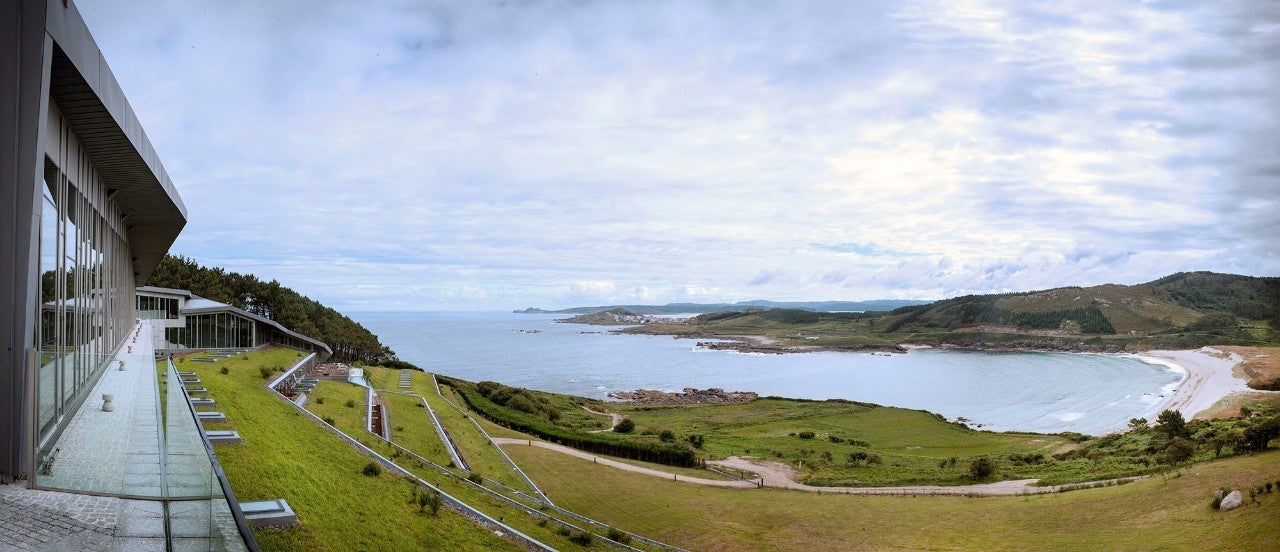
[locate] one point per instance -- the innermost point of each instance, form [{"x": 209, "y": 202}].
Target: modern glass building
[
  {"x": 182, "y": 321},
  {"x": 86, "y": 210},
  {"x": 86, "y": 213}
]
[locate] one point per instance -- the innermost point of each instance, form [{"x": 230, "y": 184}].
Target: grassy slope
[
  {"x": 477, "y": 451},
  {"x": 1155, "y": 514},
  {"x": 911, "y": 442},
  {"x": 286, "y": 455},
  {"x": 475, "y": 448}
]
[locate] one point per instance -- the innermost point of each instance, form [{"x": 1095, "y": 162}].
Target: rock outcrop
[
  {"x": 715, "y": 395},
  {"x": 1231, "y": 501}
]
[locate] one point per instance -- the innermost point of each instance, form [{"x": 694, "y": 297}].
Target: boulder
[{"x": 1231, "y": 501}]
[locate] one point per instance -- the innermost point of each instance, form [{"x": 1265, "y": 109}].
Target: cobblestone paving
[{"x": 46, "y": 520}]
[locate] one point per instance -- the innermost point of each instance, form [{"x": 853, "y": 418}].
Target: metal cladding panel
[{"x": 24, "y": 82}]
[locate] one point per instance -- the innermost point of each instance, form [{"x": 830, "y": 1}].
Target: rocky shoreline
[
  {"x": 744, "y": 345},
  {"x": 690, "y": 395}
]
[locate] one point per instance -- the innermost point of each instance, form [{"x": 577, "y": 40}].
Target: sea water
[{"x": 1000, "y": 391}]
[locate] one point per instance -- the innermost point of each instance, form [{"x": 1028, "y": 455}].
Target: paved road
[{"x": 780, "y": 475}]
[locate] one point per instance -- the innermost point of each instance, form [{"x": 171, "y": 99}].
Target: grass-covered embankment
[
  {"x": 1159, "y": 513},
  {"x": 287, "y": 455}
]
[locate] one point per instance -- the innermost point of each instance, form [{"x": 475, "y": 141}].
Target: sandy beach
[{"x": 1209, "y": 378}]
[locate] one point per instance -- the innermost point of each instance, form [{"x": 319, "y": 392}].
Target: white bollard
[
  {"x": 121, "y": 365},
  {"x": 106, "y": 402}
]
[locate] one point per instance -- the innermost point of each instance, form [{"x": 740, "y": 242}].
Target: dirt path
[
  {"x": 775, "y": 474},
  {"x": 622, "y": 465},
  {"x": 614, "y": 418}
]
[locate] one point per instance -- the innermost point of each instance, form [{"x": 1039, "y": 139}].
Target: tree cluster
[
  {"x": 672, "y": 454},
  {"x": 518, "y": 399},
  {"x": 348, "y": 339}
]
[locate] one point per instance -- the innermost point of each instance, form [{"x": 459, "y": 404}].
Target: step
[
  {"x": 203, "y": 402},
  {"x": 211, "y": 416},
  {"x": 269, "y": 514},
  {"x": 224, "y": 437}
]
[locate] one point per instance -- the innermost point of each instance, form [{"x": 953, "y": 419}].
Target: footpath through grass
[
  {"x": 1160, "y": 513},
  {"x": 287, "y": 455}
]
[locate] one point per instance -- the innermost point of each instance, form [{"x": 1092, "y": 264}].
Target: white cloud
[{"x": 464, "y": 155}]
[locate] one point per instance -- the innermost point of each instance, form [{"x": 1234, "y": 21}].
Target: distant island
[{"x": 703, "y": 308}]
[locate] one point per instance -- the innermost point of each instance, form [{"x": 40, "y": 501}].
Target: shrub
[
  {"x": 625, "y": 426},
  {"x": 351, "y": 403},
  {"x": 433, "y": 502},
  {"x": 319, "y": 400},
  {"x": 874, "y": 459},
  {"x": 264, "y": 372},
  {"x": 564, "y": 531},
  {"x": 696, "y": 440},
  {"x": 426, "y": 500},
  {"x": 1258, "y": 435},
  {"x": 1179, "y": 450},
  {"x": 224, "y": 370},
  {"x": 805, "y": 435},
  {"x": 583, "y": 538},
  {"x": 982, "y": 467},
  {"x": 667, "y": 436},
  {"x": 835, "y": 439},
  {"x": 475, "y": 478},
  {"x": 616, "y": 535},
  {"x": 327, "y": 420},
  {"x": 371, "y": 469}
]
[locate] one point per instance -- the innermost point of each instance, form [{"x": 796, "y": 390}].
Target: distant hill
[
  {"x": 1184, "y": 310},
  {"x": 700, "y": 308},
  {"x": 1183, "y": 302}
]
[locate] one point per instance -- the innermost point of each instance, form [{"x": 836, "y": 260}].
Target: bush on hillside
[{"x": 982, "y": 468}]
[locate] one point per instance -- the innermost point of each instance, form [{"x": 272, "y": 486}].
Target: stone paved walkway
[{"x": 115, "y": 452}]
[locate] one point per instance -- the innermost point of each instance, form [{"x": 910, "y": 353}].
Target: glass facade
[
  {"x": 217, "y": 330},
  {"x": 157, "y": 308},
  {"x": 84, "y": 265}
]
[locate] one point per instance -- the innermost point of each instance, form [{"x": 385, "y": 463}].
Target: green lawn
[
  {"x": 1155, "y": 514},
  {"x": 287, "y": 455},
  {"x": 411, "y": 427},
  {"x": 910, "y": 443}
]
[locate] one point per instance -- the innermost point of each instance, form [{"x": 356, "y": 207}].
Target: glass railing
[
  {"x": 202, "y": 503},
  {"x": 136, "y": 435}
]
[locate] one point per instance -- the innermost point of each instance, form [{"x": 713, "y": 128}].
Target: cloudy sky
[{"x": 473, "y": 155}]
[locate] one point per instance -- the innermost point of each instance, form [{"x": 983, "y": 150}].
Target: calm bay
[{"x": 1024, "y": 391}]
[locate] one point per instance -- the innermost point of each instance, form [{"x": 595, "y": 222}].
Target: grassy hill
[{"x": 1184, "y": 310}]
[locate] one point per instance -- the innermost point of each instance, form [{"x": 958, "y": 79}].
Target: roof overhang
[{"x": 93, "y": 104}]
